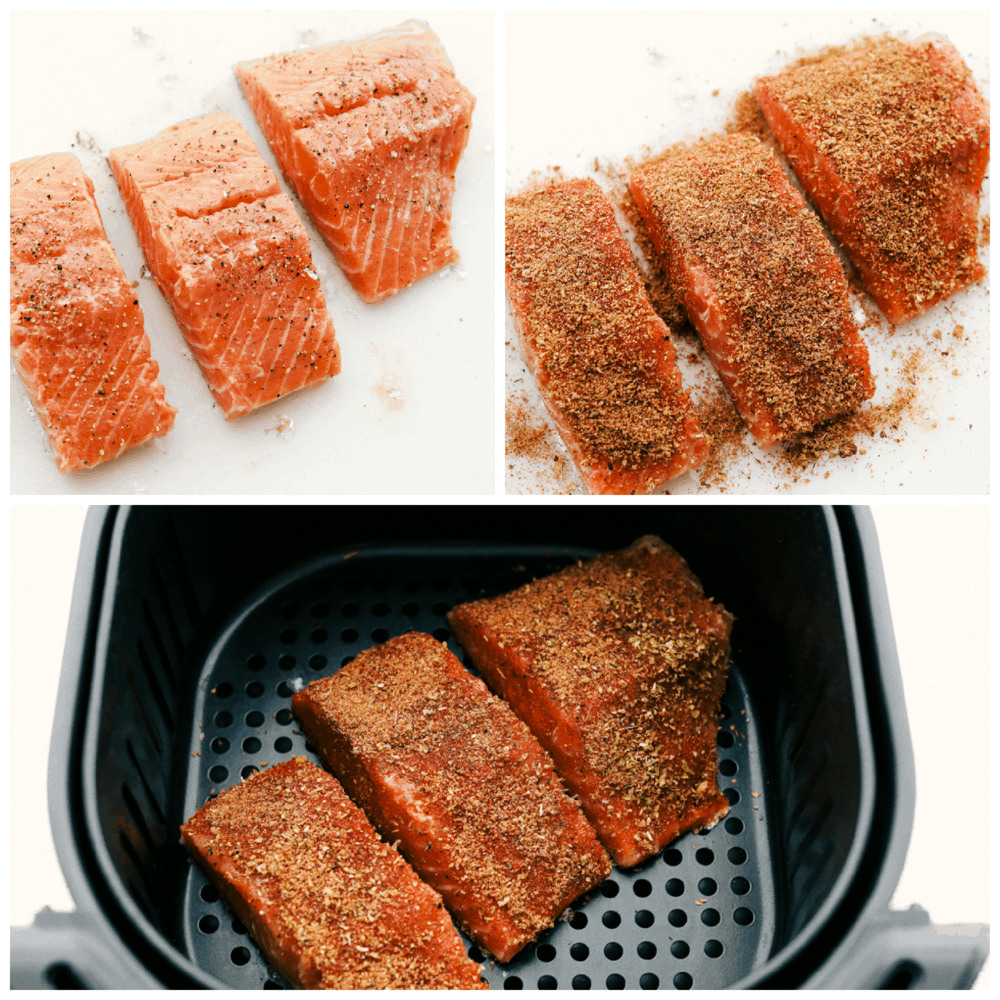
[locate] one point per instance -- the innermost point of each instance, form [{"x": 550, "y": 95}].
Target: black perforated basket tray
[{"x": 193, "y": 627}]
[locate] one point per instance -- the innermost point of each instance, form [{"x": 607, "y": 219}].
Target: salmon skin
[
  {"x": 76, "y": 329},
  {"x": 230, "y": 254},
  {"x": 329, "y": 904},
  {"x": 449, "y": 771},
  {"x": 618, "y": 666},
  {"x": 369, "y": 133},
  {"x": 891, "y": 142},
  {"x": 601, "y": 355},
  {"x": 759, "y": 281}
]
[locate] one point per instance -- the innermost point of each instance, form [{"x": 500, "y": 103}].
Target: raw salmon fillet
[
  {"x": 369, "y": 133},
  {"x": 330, "y": 905},
  {"x": 76, "y": 329},
  {"x": 891, "y": 142},
  {"x": 618, "y": 666},
  {"x": 232, "y": 258},
  {"x": 760, "y": 283},
  {"x": 449, "y": 771},
  {"x": 601, "y": 355}
]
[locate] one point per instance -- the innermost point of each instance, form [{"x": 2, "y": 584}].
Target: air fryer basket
[{"x": 195, "y": 626}]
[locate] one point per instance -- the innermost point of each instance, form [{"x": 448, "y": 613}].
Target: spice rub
[
  {"x": 891, "y": 142},
  {"x": 76, "y": 329},
  {"x": 601, "y": 355},
  {"x": 447, "y": 770},
  {"x": 228, "y": 251},
  {"x": 760, "y": 283},
  {"x": 369, "y": 133},
  {"x": 330, "y": 905},
  {"x": 617, "y": 666}
]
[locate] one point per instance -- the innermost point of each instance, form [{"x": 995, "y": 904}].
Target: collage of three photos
[{"x": 326, "y": 327}]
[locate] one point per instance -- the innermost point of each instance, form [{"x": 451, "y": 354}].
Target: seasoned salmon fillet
[
  {"x": 601, "y": 355},
  {"x": 760, "y": 283},
  {"x": 369, "y": 133},
  {"x": 228, "y": 251},
  {"x": 618, "y": 666},
  {"x": 76, "y": 329},
  {"x": 330, "y": 905},
  {"x": 449, "y": 771},
  {"x": 891, "y": 141}
]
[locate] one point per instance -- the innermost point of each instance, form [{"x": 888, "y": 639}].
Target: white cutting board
[
  {"x": 417, "y": 385},
  {"x": 617, "y": 84}
]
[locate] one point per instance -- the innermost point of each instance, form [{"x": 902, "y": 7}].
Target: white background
[
  {"x": 627, "y": 84},
  {"x": 121, "y": 78},
  {"x": 936, "y": 562}
]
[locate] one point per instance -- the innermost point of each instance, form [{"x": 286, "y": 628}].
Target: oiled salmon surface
[
  {"x": 891, "y": 141},
  {"x": 230, "y": 254},
  {"x": 449, "y": 771},
  {"x": 761, "y": 284},
  {"x": 76, "y": 329},
  {"x": 369, "y": 133},
  {"x": 330, "y": 904},
  {"x": 602, "y": 357}
]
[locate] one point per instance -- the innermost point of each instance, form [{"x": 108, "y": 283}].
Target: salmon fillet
[
  {"x": 891, "y": 142},
  {"x": 76, "y": 329},
  {"x": 449, "y": 771},
  {"x": 601, "y": 355},
  {"x": 369, "y": 133},
  {"x": 761, "y": 284},
  {"x": 617, "y": 666},
  {"x": 330, "y": 905},
  {"x": 232, "y": 258}
]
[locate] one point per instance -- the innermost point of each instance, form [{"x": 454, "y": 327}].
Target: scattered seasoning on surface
[
  {"x": 722, "y": 423},
  {"x": 747, "y": 119},
  {"x": 527, "y": 436},
  {"x": 839, "y": 436}
]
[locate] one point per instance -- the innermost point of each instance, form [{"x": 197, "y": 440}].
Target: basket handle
[
  {"x": 904, "y": 950},
  {"x": 67, "y": 951}
]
